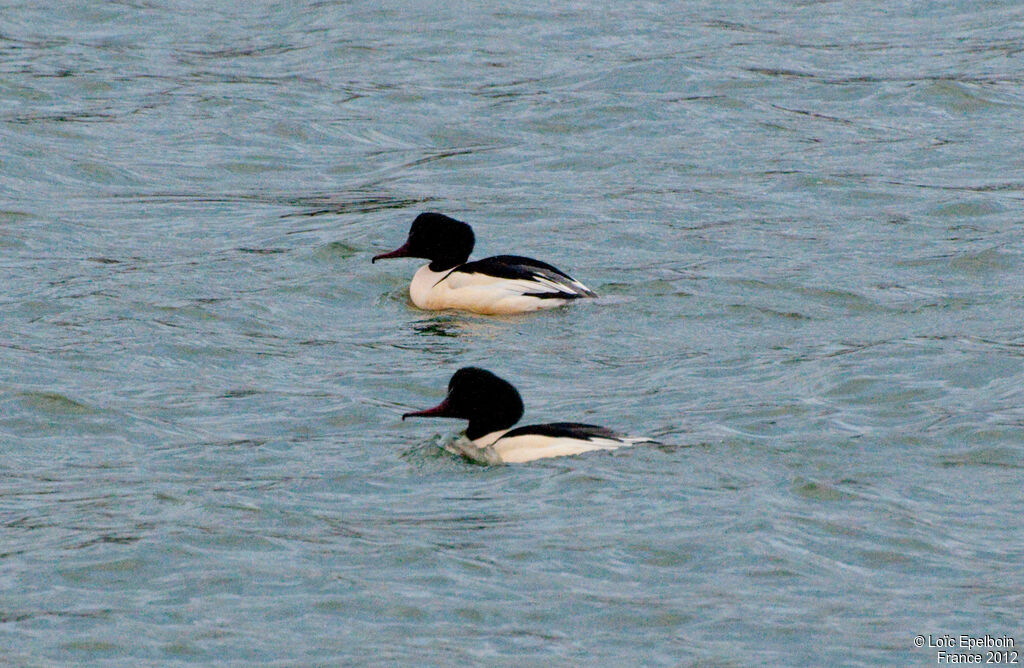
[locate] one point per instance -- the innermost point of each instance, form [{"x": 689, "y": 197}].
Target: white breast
[{"x": 480, "y": 293}]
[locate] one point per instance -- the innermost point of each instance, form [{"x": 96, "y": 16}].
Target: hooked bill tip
[{"x": 401, "y": 251}]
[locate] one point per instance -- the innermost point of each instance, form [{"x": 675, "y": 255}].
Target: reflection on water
[{"x": 439, "y": 327}]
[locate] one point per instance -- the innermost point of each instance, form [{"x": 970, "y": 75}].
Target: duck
[
  {"x": 493, "y": 406},
  {"x": 499, "y": 285}
]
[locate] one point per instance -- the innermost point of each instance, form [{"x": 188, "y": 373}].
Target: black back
[
  {"x": 516, "y": 265},
  {"x": 586, "y": 432}
]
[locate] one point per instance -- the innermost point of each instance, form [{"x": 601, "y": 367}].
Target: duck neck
[
  {"x": 447, "y": 263},
  {"x": 478, "y": 428},
  {"x": 494, "y": 420},
  {"x": 448, "y": 255}
]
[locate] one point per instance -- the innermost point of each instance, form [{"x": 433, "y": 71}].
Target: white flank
[
  {"x": 529, "y": 447},
  {"x": 493, "y": 449},
  {"x": 480, "y": 293}
]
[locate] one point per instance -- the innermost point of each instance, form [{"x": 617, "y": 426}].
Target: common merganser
[
  {"x": 492, "y": 406},
  {"x": 495, "y": 285}
]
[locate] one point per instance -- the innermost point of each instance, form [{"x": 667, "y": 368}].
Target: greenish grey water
[{"x": 804, "y": 218}]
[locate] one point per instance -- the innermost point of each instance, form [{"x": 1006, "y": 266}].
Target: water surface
[{"x": 804, "y": 219}]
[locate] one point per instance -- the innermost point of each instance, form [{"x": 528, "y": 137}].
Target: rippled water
[{"x": 804, "y": 218}]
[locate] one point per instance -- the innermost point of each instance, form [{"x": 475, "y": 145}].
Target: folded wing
[
  {"x": 520, "y": 275},
  {"x": 557, "y": 439}
]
